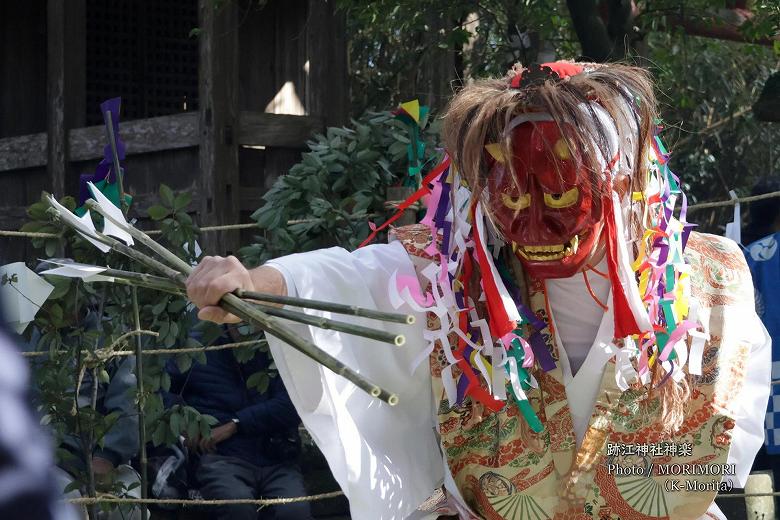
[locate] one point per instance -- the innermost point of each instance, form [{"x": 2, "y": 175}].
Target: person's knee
[
  {"x": 227, "y": 490},
  {"x": 295, "y": 511}
]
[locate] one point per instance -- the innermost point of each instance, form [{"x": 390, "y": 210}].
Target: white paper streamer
[
  {"x": 109, "y": 228},
  {"x": 514, "y": 378},
  {"x": 498, "y": 359},
  {"x": 450, "y": 390}
]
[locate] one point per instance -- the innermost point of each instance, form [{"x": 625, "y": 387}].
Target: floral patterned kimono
[{"x": 626, "y": 467}]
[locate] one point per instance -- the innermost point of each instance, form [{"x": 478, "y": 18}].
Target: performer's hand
[{"x": 216, "y": 276}]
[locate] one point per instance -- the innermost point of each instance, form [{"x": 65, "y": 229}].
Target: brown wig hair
[{"x": 479, "y": 113}]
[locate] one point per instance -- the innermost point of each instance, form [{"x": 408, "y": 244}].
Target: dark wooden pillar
[
  {"x": 327, "y": 92},
  {"x": 218, "y": 99},
  {"x": 57, "y": 149},
  {"x": 65, "y": 83}
]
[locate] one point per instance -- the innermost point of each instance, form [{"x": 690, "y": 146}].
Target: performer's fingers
[
  {"x": 217, "y": 315},
  {"x": 223, "y": 284},
  {"x": 198, "y": 280},
  {"x": 214, "y": 277}
]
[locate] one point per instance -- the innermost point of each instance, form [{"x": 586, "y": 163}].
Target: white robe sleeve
[
  {"x": 747, "y": 436},
  {"x": 386, "y": 459}
]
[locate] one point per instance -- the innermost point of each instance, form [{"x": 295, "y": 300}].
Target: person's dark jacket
[
  {"x": 268, "y": 423},
  {"x": 120, "y": 443}
]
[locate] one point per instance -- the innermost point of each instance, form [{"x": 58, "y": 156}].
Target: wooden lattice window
[{"x": 142, "y": 51}]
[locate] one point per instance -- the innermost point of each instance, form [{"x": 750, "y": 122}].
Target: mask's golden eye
[
  {"x": 562, "y": 200},
  {"x": 561, "y": 149},
  {"x": 521, "y": 202}
]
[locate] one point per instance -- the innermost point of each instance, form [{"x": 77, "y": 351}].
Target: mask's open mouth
[{"x": 549, "y": 252}]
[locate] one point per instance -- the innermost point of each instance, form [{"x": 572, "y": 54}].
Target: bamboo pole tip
[
  {"x": 392, "y": 400},
  {"x": 410, "y": 319},
  {"x": 399, "y": 340}
]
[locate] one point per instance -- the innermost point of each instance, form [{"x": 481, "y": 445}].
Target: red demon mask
[{"x": 553, "y": 210}]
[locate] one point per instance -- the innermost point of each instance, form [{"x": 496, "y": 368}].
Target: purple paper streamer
[
  {"x": 663, "y": 253},
  {"x": 444, "y": 200},
  {"x": 541, "y": 353},
  {"x": 446, "y": 228},
  {"x": 463, "y": 384},
  {"x": 687, "y": 228}
]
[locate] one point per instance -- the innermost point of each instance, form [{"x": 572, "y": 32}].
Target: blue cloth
[
  {"x": 268, "y": 423},
  {"x": 763, "y": 259}
]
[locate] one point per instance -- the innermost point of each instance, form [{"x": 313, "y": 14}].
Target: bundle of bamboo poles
[{"x": 255, "y": 308}]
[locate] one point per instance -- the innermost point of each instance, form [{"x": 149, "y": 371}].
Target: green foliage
[
  {"x": 340, "y": 184},
  {"x": 397, "y": 47},
  {"x": 702, "y": 84},
  {"x": 404, "y": 49}
]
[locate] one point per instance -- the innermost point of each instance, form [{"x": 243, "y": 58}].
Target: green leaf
[
  {"x": 158, "y": 437},
  {"x": 183, "y": 362},
  {"x": 166, "y": 195},
  {"x": 158, "y": 212},
  {"x": 176, "y": 306},
  {"x": 175, "y": 424},
  {"x": 259, "y": 381},
  {"x": 159, "y": 308},
  {"x": 55, "y": 313},
  {"x": 182, "y": 200},
  {"x": 192, "y": 429},
  {"x": 165, "y": 381},
  {"x": 61, "y": 286}
]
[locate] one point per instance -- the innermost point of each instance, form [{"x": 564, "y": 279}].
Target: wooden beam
[
  {"x": 154, "y": 134},
  {"x": 24, "y": 151},
  {"x": 218, "y": 108},
  {"x": 278, "y": 130},
  {"x": 157, "y": 134}
]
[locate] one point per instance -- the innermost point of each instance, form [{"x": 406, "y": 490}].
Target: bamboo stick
[
  {"x": 139, "y": 374},
  {"x": 148, "y": 280},
  {"x": 338, "y": 308},
  {"x": 325, "y": 323}
]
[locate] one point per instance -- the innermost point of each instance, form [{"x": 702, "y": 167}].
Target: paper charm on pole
[
  {"x": 108, "y": 176},
  {"x": 414, "y": 116},
  {"x": 22, "y": 292}
]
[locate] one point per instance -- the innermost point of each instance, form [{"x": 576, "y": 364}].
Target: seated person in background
[
  {"x": 762, "y": 235},
  {"x": 252, "y": 452},
  {"x": 111, "y": 455},
  {"x": 111, "y": 462}
]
